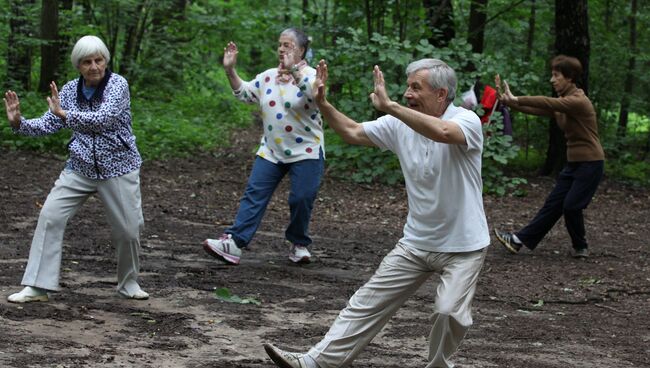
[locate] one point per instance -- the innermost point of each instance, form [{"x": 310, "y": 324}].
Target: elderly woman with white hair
[{"x": 103, "y": 159}]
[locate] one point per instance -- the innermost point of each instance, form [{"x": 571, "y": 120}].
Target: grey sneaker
[
  {"x": 580, "y": 253},
  {"x": 508, "y": 241},
  {"x": 285, "y": 359},
  {"x": 223, "y": 248},
  {"x": 299, "y": 254}
]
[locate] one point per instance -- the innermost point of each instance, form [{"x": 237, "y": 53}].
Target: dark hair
[
  {"x": 569, "y": 66},
  {"x": 301, "y": 39}
]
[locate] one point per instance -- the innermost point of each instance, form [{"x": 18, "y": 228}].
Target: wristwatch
[{"x": 294, "y": 69}]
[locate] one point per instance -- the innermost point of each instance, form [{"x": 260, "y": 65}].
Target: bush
[
  {"x": 498, "y": 151},
  {"x": 196, "y": 119}
]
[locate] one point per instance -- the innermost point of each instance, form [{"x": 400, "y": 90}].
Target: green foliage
[
  {"x": 181, "y": 102},
  {"x": 528, "y": 161},
  {"x": 197, "y": 119},
  {"x": 225, "y": 295},
  {"x": 628, "y": 167},
  {"x": 361, "y": 164},
  {"x": 497, "y": 152},
  {"x": 354, "y": 59}
]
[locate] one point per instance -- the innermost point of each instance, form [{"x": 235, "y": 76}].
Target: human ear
[{"x": 442, "y": 94}]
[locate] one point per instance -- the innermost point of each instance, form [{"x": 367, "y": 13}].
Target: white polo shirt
[{"x": 443, "y": 183}]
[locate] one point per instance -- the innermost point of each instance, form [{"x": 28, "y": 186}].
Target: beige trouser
[
  {"x": 399, "y": 275},
  {"x": 121, "y": 198}
]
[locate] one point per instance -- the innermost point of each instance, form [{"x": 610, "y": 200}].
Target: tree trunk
[
  {"x": 571, "y": 39},
  {"x": 165, "y": 51},
  {"x": 531, "y": 31},
  {"x": 630, "y": 77},
  {"x": 19, "y": 51},
  {"x": 133, "y": 40},
  {"x": 369, "y": 20},
  {"x": 65, "y": 43},
  {"x": 49, "y": 48},
  {"x": 400, "y": 18},
  {"x": 477, "y": 20},
  {"x": 572, "y": 34},
  {"x": 440, "y": 15},
  {"x": 305, "y": 13}
]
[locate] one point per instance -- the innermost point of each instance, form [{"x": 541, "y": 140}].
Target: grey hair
[
  {"x": 87, "y": 46},
  {"x": 302, "y": 40},
  {"x": 441, "y": 75}
]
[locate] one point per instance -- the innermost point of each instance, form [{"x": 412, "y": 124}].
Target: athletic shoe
[
  {"x": 138, "y": 295},
  {"x": 580, "y": 253},
  {"x": 508, "y": 241},
  {"x": 299, "y": 254},
  {"x": 285, "y": 359},
  {"x": 223, "y": 249},
  {"x": 29, "y": 294}
]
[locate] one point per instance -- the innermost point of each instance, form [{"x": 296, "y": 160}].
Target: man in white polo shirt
[{"x": 439, "y": 147}]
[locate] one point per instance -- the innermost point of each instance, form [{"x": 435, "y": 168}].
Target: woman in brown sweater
[{"x": 579, "y": 179}]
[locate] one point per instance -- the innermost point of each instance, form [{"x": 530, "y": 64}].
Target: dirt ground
[{"x": 538, "y": 309}]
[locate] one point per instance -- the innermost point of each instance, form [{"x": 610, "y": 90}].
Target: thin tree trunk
[
  {"x": 166, "y": 17},
  {"x": 49, "y": 48},
  {"x": 608, "y": 16},
  {"x": 324, "y": 35},
  {"x": 369, "y": 19},
  {"x": 64, "y": 46},
  {"x": 477, "y": 18},
  {"x": 630, "y": 77},
  {"x": 134, "y": 33},
  {"x": 531, "y": 31},
  {"x": 305, "y": 12}
]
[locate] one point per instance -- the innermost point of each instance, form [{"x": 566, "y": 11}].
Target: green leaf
[{"x": 225, "y": 295}]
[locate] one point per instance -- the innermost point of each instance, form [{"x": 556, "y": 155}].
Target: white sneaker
[
  {"x": 299, "y": 254},
  {"x": 138, "y": 295},
  {"x": 29, "y": 294},
  {"x": 285, "y": 359},
  {"x": 223, "y": 248}
]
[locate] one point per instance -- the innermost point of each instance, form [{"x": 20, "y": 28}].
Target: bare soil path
[{"x": 538, "y": 309}]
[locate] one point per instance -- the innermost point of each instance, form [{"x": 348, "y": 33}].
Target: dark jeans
[
  {"x": 265, "y": 177},
  {"x": 575, "y": 186}
]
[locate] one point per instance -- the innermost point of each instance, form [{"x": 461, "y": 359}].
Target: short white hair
[
  {"x": 441, "y": 75},
  {"x": 87, "y": 46}
]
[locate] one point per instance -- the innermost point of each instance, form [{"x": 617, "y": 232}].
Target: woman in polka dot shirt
[{"x": 292, "y": 143}]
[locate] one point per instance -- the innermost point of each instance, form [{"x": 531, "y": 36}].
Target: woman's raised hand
[
  {"x": 55, "y": 102},
  {"x": 289, "y": 58},
  {"x": 503, "y": 91},
  {"x": 12, "y": 105},
  {"x": 230, "y": 55},
  {"x": 320, "y": 82}
]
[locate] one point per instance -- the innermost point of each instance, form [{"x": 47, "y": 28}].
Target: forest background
[{"x": 171, "y": 52}]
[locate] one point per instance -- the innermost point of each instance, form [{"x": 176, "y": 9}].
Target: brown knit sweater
[{"x": 575, "y": 115}]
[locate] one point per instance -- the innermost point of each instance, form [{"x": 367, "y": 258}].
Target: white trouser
[
  {"x": 399, "y": 275},
  {"x": 122, "y": 201}
]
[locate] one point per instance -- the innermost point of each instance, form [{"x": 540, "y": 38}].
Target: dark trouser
[
  {"x": 265, "y": 176},
  {"x": 575, "y": 186}
]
